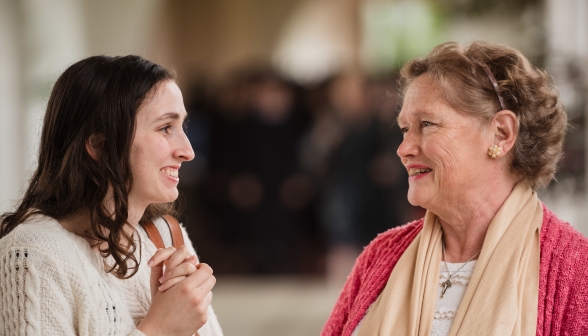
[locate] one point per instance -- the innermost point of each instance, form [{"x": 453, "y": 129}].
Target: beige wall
[
  {"x": 215, "y": 37},
  {"x": 10, "y": 83}
]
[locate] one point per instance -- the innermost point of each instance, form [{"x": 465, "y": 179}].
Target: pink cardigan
[{"x": 563, "y": 279}]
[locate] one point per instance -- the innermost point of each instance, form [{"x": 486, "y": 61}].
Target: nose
[
  {"x": 184, "y": 149},
  {"x": 409, "y": 146}
]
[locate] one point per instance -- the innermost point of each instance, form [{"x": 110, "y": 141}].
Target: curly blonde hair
[{"x": 526, "y": 90}]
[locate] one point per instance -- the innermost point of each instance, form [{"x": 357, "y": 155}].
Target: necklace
[{"x": 448, "y": 282}]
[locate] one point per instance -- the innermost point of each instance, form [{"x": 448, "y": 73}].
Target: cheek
[
  {"x": 446, "y": 153},
  {"x": 149, "y": 150},
  {"x": 159, "y": 151},
  {"x": 138, "y": 162}
]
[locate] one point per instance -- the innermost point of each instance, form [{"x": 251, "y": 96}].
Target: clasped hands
[{"x": 180, "y": 293}]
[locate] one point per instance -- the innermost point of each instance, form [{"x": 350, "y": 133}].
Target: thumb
[{"x": 156, "y": 274}]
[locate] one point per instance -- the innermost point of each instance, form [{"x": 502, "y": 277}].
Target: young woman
[{"x": 73, "y": 258}]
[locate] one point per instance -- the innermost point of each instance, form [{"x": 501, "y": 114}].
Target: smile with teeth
[
  {"x": 170, "y": 172},
  {"x": 417, "y": 171}
]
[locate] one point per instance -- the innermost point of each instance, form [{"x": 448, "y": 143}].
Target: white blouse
[{"x": 447, "y": 306}]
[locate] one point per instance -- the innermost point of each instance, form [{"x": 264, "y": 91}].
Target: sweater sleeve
[
  {"x": 368, "y": 277},
  {"x": 340, "y": 314}
]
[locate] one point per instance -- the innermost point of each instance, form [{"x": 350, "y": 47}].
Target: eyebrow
[
  {"x": 172, "y": 115},
  {"x": 420, "y": 114}
]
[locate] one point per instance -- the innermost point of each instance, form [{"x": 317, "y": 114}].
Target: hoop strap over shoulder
[{"x": 174, "y": 228}]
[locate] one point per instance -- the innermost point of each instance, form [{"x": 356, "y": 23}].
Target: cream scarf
[{"x": 502, "y": 296}]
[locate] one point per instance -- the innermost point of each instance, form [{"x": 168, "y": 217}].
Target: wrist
[{"x": 149, "y": 330}]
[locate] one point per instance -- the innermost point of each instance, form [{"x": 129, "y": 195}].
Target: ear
[
  {"x": 94, "y": 146},
  {"x": 505, "y": 129}
]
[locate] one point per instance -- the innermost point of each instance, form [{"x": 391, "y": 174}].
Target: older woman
[{"x": 482, "y": 129}]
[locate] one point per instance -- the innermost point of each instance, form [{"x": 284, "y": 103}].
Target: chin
[
  {"x": 415, "y": 199},
  {"x": 167, "y": 197},
  {"x": 171, "y": 198}
]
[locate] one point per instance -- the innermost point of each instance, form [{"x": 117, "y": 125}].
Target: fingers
[
  {"x": 170, "y": 283},
  {"x": 156, "y": 274},
  {"x": 202, "y": 278},
  {"x": 184, "y": 269},
  {"x": 171, "y": 258},
  {"x": 193, "y": 260},
  {"x": 207, "y": 300},
  {"x": 202, "y": 310},
  {"x": 208, "y": 284},
  {"x": 179, "y": 256},
  {"x": 204, "y": 267},
  {"x": 161, "y": 255}
]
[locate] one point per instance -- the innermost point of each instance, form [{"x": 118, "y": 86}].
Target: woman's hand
[
  {"x": 169, "y": 266},
  {"x": 181, "y": 307}
]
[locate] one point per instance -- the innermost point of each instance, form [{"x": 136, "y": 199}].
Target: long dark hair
[{"x": 98, "y": 96}]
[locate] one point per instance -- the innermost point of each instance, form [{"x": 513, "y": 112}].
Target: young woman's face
[{"x": 159, "y": 146}]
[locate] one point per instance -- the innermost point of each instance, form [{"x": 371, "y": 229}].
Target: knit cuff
[{"x": 136, "y": 332}]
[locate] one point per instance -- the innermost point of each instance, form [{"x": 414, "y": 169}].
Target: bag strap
[
  {"x": 155, "y": 236},
  {"x": 176, "y": 231}
]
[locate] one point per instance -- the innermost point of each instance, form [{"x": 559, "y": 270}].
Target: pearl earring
[{"x": 494, "y": 151}]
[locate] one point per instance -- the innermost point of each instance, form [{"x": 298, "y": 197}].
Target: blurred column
[
  {"x": 10, "y": 136},
  {"x": 321, "y": 39},
  {"x": 38, "y": 40},
  {"x": 567, "y": 59},
  {"x": 53, "y": 37}
]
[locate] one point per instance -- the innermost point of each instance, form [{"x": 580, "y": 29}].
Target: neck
[
  {"x": 79, "y": 223},
  {"x": 466, "y": 223}
]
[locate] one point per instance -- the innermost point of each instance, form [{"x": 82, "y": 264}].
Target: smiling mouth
[
  {"x": 418, "y": 171},
  {"x": 170, "y": 172}
]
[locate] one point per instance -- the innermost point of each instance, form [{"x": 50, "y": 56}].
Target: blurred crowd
[{"x": 290, "y": 179}]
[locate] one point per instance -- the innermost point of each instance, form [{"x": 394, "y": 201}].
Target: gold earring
[{"x": 494, "y": 151}]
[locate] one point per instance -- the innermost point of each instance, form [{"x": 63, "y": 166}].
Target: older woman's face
[{"x": 443, "y": 150}]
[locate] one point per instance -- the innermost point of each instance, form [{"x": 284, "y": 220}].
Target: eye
[
  {"x": 426, "y": 123},
  {"x": 403, "y": 130},
  {"x": 165, "y": 129}
]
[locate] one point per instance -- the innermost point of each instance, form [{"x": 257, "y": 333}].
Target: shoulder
[
  {"x": 376, "y": 262},
  {"x": 45, "y": 236},
  {"x": 564, "y": 250},
  {"x": 394, "y": 241},
  {"x": 379, "y": 258},
  {"x": 368, "y": 277},
  {"x": 560, "y": 239},
  {"x": 563, "y": 277},
  {"x": 400, "y": 233}
]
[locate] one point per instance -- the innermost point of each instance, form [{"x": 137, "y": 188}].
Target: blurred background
[{"x": 292, "y": 117}]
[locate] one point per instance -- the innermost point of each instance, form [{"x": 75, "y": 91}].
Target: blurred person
[
  {"x": 349, "y": 148},
  {"x": 255, "y": 191},
  {"x": 75, "y": 260},
  {"x": 483, "y": 129}
]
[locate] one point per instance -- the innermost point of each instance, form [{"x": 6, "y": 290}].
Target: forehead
[
  {"x": 422, "y": 98},
  {"x": 163, "y": 99}
]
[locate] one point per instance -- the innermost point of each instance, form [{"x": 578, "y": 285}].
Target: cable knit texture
[
  {"x": 53, "y": 283},
  {"x": 563, "y": 279}
]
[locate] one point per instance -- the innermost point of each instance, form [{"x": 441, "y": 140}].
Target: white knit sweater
[{"x": 53, "y": 283}]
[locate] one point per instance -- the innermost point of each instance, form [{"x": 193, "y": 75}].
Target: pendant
[{"x": 445, "y": 285}]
